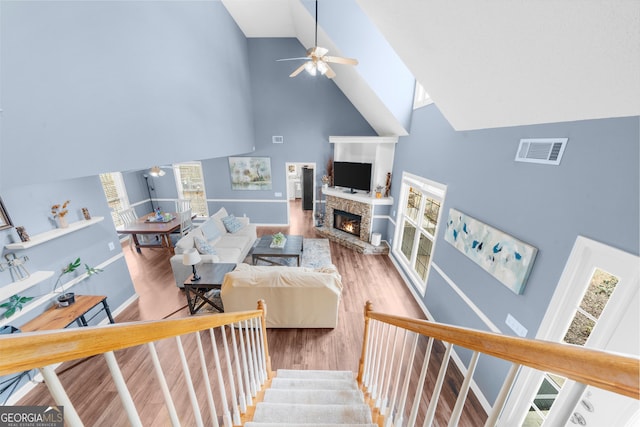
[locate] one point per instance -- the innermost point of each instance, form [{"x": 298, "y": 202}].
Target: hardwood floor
[{"x": 364, "y": 277}]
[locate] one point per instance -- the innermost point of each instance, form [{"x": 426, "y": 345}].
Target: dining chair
[
  {"x": 183, "y": 205},
  {"x": 186, "y": 224},
  {"x": 128, "y": 216}
]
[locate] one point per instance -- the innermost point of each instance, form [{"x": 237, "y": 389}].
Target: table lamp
[{"x": 192, "y": 257}]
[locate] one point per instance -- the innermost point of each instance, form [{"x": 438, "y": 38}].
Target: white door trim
[{"x": 557, "y": 319}]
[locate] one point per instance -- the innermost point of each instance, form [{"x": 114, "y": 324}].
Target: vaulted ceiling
[{"x": 485, "y": 64}]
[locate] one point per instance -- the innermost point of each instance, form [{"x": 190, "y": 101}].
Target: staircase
[{"x": 312, "y": 399}]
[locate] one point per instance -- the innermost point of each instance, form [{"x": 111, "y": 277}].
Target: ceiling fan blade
[
  {"x": 297, "y": 71},
  {"x": 330, "y": 73},
  {"x": 293, "y": 59},
  {"x": 340, "y": 60}
]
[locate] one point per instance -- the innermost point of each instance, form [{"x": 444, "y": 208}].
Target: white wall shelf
[
  {"x": 21, "y": 285},
  {"x": 54, "y": 234}
]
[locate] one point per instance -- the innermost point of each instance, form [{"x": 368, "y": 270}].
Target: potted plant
[
  {"x": 14, "y": 304},
  {"x": 278, "y": 240},
  {"x": 65, "y": 299}
]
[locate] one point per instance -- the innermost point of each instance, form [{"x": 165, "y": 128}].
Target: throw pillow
[
  {"x": 210, "y": 232},
  {"x": 232, "y": 224},
  {"x": 203, "y": 247}
]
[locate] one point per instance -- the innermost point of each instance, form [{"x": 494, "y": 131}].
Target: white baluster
[
  {"x": 207, "y": 384},
  {"x": 418, "y": 393},
  {"x": 376, "y": 359},
  {"x": 387, "y": 389},
  {"x": 251, "y": 360},
  {"x": 368, "y": 362},
  {"x": 226, "y": 415},
  {"x": 385, "y": 355},
  {"x": 407, "y": 378},
  {"x": 188, "y": 380},
  {"x": 431, "y": 411},
  {"x": 245, "y": 367},
  {"x": 123, "y": 391},
  {"x": 173, "y": 415},
  {"x": 498, "y": 405},
  {"x": 256, "y": 339},
  {"x": 232, "y": 385},
  {"x": 396, "y": 384},
  {"x": 241, "y": 393},
  {"x": 464, "y": 390},
  {"x": 56, "y": 389}
]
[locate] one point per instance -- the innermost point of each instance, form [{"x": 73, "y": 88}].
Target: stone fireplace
[
  {"x": 348, "y": 219},
  {"x": 347, "y": 222},
  {"x": 355, "y": 208}
]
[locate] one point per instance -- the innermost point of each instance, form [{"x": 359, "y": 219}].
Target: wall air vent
[
  {"x": 277, "y": 139},
  {"x": 547, "y": 151}
]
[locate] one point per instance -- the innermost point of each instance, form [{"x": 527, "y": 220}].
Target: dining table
[{"x": 149, "y": 225}]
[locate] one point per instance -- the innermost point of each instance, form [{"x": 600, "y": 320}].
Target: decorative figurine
[
  {"x": 22, "y": 233},
  {"x": 16, "y": 265}
]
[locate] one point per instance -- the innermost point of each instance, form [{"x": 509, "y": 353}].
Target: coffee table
[
  {"x": 211, "y": 277},
  {"x": 263, "y": 251}
]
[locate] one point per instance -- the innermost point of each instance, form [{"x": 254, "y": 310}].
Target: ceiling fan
[{"x": 317, "y": 60}]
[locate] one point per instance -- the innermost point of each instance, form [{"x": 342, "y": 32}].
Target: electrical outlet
[
  {"x": 516, "y": 326},
  {"x": 111, "y": 246},
  {"x": 278, "y": 194}
]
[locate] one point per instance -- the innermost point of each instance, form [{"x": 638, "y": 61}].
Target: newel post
[
  {"x": 368, "y": 307},
  {"x": 262, "y": 306}
]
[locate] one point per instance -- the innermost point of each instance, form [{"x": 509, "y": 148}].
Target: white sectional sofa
[{"x": 213, "y": 236}]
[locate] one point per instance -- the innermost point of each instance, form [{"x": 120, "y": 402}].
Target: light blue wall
[
  {"x": 594, "y": 192},
  {"x": 91, "y": 87}
]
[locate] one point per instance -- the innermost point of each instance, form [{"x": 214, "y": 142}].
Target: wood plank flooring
[{"x": 364, "y": 277}]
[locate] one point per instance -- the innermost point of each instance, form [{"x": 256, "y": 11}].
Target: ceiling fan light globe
[
  {"x": 311, "y": 68},
  {"x": 322, "y": 67}
]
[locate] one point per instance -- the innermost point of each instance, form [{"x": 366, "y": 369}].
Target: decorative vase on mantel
[{"x": 62, "y": 222}]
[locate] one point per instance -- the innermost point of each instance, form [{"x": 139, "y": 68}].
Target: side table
[
  {"x": 211, "y": 277},
  {"x": 61, "y": 317}
]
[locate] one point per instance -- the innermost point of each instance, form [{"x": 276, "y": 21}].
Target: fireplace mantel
[{"x": 357, "y": 197}]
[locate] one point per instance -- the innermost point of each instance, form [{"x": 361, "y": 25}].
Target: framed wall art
[
  {"x": 504, "y": 257},
  {"x": 5, "y": 220},
  {"x": 250, "y": 173}
]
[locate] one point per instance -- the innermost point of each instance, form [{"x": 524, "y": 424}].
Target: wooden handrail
[
  {"x": 613, "y": 372},
  {"x": 26, "y": 351}
]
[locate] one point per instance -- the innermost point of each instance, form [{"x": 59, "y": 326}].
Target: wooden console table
[{"x": 61, "y": 317}]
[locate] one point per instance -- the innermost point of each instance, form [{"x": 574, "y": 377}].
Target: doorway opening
[{"x": 301, "y": 186}]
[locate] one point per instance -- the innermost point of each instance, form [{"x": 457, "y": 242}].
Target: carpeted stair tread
[
  {"x": 254, "y": 424},
  {"x": 315, "y": 374},
  {"x": 313, "y": 384},
  {"x": 314, "y": 397},
  {"x": 304, "y": 414}
]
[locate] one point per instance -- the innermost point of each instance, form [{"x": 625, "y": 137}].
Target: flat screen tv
[{"x": 354, "y": 176}]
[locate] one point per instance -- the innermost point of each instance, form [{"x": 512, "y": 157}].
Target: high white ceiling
[{"x": 488, "y": 64}]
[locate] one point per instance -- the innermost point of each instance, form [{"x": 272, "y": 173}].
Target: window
[
  {"x": 190, "y": 184},
  {"x": 116, "y": 194},
  {"x": 418, "y": 216},
  {"x": 421, "y": 97}
]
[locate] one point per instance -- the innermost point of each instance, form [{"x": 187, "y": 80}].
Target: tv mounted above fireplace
[{"x": 351, "y": 175}]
